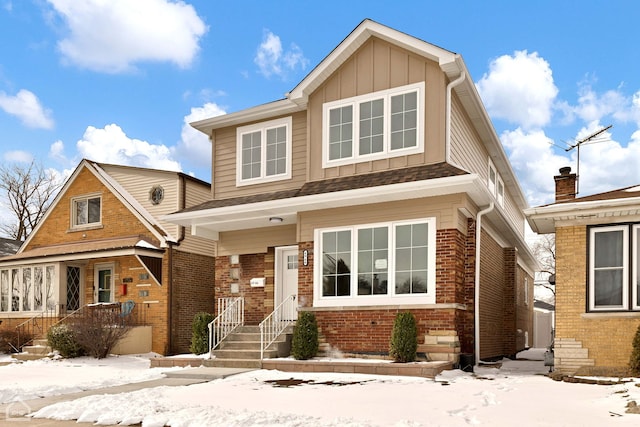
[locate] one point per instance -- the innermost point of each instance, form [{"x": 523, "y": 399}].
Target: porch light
[{"x": 275, "y": 220}]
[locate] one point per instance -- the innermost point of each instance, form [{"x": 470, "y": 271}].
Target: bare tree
[
  {"x": 545, "y": 251},
  {"x": 29, "y": 191}
]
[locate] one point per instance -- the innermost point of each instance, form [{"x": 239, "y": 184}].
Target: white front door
[{"x": 286, "y": 274}]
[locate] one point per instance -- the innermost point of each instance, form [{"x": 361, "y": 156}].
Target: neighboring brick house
[
  {"x": 597, "y": 302},
  {"x": 362, "y": 194},
  {"x": 101, "y": 241}
]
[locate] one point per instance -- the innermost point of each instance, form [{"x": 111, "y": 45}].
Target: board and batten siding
[
  {"x": 445, "y": 209},
  {"x": 224, "y": 162},
  {"x": 378, "y": 65},
  {"x": 469, "y": 153}
]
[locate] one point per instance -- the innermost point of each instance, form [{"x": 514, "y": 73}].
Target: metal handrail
[
  {"x": 230, "y": 316},
  {"x": 41, "y": 322},
  {"x": 275, "y": 323}
]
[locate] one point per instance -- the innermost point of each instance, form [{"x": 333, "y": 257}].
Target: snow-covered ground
[{"x": 514, "y": 394}]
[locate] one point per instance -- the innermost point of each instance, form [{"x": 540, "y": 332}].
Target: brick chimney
[{"x": 565, "y": 185}]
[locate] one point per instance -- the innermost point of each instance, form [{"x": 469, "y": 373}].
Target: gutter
[
  {"x": 450, "y": 87},
  {"x": 476, "y": 298}
]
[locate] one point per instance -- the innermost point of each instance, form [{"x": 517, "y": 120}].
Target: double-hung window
[
  {"x": 376, "y": 264},
  {"x": 382, "y": 124},
  {"x": 264, "y": 152},
  {"x": 614, "y": 283},
  {"x": 86, "y": 211}
]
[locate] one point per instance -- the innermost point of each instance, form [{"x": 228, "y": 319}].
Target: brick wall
[
  {"x": 599, "y": 339},
  {"x": 192, "y": 292},
  {"x": 258, "y": 300}
]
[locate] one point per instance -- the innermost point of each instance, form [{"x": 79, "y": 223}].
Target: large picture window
[
  {"x": 390, "y": 263},
  {"x": 27, "y": 289},
  {"x": 383, "y": 124},
  {"x": 264, "y": 152},
  {"x": 86, "y": 211},
  {"x": 614, "y": 282}
]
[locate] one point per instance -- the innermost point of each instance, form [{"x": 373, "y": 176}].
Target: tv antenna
[{"x": 578, "y": 144}]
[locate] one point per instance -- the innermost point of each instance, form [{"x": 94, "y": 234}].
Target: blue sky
[{"x": 117, "y": 81}]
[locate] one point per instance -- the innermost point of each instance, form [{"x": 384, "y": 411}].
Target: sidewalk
[{"x": 13, "y": 414}]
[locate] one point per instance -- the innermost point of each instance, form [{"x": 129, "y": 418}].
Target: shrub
[
  {"x": 200, "y": 332},
  {"x": 99, "y": 329},
  {"x": 634, "y": 361},
  {"x": 305, "y": 337},
  {"x": 61, "y": 338},
  {"x": 404, "y": 338}
]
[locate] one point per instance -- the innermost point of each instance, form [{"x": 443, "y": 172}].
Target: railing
[
  {"x": 275, "y": 323},
  {"x": 230, "y": 316},
  {"x": 38, "y": 325}
]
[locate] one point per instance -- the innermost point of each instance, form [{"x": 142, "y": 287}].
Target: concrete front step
[
  {"x": 28, "y": 356},
  {"x": 37, "y": 349},
  {"x": 233, "y": 363},
  {"x": 243, "y": 354}
]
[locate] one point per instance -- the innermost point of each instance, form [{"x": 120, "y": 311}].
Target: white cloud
[
  {"x": 112, "y": 145},
  {"x": 535, "y": 163},
  {"x": 27, "y": 107},
  {"x": 519, "y": 89},
  {"x": 195, "y": 146},
  {"x": 111, "y": 36},
  {"x": 271, "y": 59},
  {"x": 18, "y": 156}
]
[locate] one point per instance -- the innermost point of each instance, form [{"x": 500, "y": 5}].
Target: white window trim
[
  {"x": 391, "y": 298},
  {"x": 635, "y": 242},
  {"x": 494, "y": 186},
  {"x": 74, "y": 225},
  {"x": 386, "y": 152},
  {"x": 625, "y": 266},
  {"x": 97, "y": 268},
  {"x": 263, "y": 127}
]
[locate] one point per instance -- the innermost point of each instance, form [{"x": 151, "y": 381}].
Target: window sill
[
  {"x": 447, "y": 306},
  {"x": 86, "y": 228},
  {"x": 610, "y": 315}
]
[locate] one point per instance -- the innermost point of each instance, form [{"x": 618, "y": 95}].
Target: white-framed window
[
  {"x": 264, "y": 152},
  {"x": 27, "y": 289},
  {"x": 376, "y": 264},
  {"x": 86, "y": 211},
  {"x": 382, "y": 124},
  {"x": 495, "y": 183},
  {"x": 614, "y": 258}
]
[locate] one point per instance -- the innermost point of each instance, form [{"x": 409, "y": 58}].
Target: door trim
[
  {"x": 97, "y": 268},
  {"x": 277, "y": 298}
]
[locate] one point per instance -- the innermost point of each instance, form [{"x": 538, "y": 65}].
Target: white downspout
[
  {"x": 476, "y": 298},
  {"x": 450, "y": 87}
]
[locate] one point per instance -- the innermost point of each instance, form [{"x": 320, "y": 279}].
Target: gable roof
[
  {"x": 450, "y": 63},
  {"x": 606, "y": 206},
  {"x": 148, "y": 220}
]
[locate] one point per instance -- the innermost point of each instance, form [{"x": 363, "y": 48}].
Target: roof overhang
[
  {"x": 543, "y": 219},
  {"x": 84, "y": 251},
  {"x": 210, "y": 222}
]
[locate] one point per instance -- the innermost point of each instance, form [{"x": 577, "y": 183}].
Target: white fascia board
[
  {"x": 49, "y": 259},
  {"x": 260, "y": 112},
  {"x": 542, "y": 218},
  {"x": 241, "y": 216}
]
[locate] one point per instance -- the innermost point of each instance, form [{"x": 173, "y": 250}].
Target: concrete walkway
[{"x": 13, "y": 414}]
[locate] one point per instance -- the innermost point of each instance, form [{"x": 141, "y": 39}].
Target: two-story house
[
  {"x": 376, "y": 186},
  {"x": 101, "y": 241},
  {"x": 597, "y": 299}
]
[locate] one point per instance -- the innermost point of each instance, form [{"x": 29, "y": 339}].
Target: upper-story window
[
  {"x": 264, "y": 152},
  {"x": 86, "y": 211},
  {"x": 495, "y": 183},
  {"x": 614, "y": 259},
  {"x": 382, "y": 124}
]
